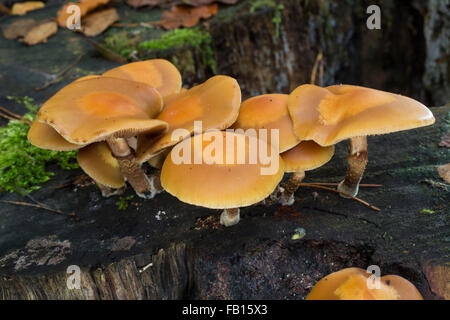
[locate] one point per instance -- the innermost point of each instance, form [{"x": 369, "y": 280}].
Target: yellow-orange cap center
[
  {"x": 182, "y": 111},
  {"x": 108, "y": 105}
]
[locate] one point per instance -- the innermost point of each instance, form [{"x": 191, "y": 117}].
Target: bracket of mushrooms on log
[{"x": 139, "y": 114}]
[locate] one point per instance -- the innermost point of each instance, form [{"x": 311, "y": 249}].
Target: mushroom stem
[
  {"x": 357, "y": 161},
  {"x": 285, "y": 195},
  {"x": 130, "y": 167},
  {"x": 107, "y": 191},
  {"x": 155, "y": 182},
  {"x": 230, "y": 217}
]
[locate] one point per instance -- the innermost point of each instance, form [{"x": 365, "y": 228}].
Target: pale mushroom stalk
[
  {"x": 287, "y": 196},
  {"x": 307, "y": 155},
  {"x": 108, "y": 191},
  {"x": 131, "y": 168},
  {"x": 357, "y": 161},
  {"x": 230, "y": 217}
]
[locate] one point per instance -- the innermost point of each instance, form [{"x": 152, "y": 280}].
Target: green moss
[
  {"x": 122, "y": 204},
  {"x": 278, "y": 8},
  {"x": 125, "y": 44},
  {"x": 181, "y": 38},
  {"x": 122, "y": 43},
  {"x": 428, "y": 211},
  {"x": 22, "y": 165}
]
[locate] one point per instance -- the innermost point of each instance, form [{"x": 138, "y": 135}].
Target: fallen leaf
[
  {"x": 182, "y": 16},
  {"x": 445, "y": 141},
  {"x": 18, "y": 29},
  {"x": 169, "y": 3},
  {"x": 64, "y": 14},
  {"x": 444, "y": 172},
  {"x": 96, "y": 23},
  {"x": 40, "y": 33},
  {"x": 22, "y": 8},
  {"x": 5, "y": 10}
]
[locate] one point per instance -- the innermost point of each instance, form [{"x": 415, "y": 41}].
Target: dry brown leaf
[
  {"x": 4, "y": 9},
  {"x": 96, "y": 23},
  {"x": 445, "y": 141},
  {"x": 84, "y": 5},
  {"x": 444, "y": 172},
  {"x": 169, "y": 3},
  {"x": 18, "y": 29},
  {"x": 182, "y": 16},
  {"x": 40, "y": 33},
  {"x": 23, "y": 7}
]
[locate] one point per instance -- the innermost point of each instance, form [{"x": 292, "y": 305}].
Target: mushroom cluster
[
  {"x": 209, "y": 149},
  {"x": 357, "y": 284}
]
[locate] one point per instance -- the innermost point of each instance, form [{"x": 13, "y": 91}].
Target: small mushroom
[
  {"x": 110, "y": 110},
  {"x": 305, "y": 156},
  {"x": 330, "y": 115},
  {"x": 157, "y": 73},
  {"x": 214, "y": 177},
  {"x": 352, "y": 284},
  {"x": 268, "y": 111},
  {"x": 215, "y": 103},
  {"x": 98, "y": 162}
]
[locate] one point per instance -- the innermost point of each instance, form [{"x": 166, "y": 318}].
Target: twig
[
  {"x": 41, "y": 205},
  {"x": 140, "y": 24},
  {"x": 146, "y": 267},
  {"x": 5, "y": 113},
  {"x": 319, "y": 59},
  {"x": 78, "y": 180},
  {"x": 20, "y": 203},
  {"x": 58, "y": 77},
  {"x": 334, "y": 190},
  {"x": 10, "y": 113},
  {"x": 367, "y": 185},
  {"x": 7, "y": 117}
]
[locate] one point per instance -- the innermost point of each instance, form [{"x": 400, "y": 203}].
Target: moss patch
[
  {"x": 128, "y": 45},
  {"x": 122, "y": 204},
  {"x": 276, "y": 7},
  {"x": 22, "y": 165}
]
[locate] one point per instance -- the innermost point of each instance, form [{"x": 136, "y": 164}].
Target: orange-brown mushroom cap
[
  {"x": 307, "y": 155},
  {"x": 227, "y": 184},
  {"x": 215, "y": 103},
  {"x": 157, "y": 73},
  {"x": 330, "y": 115},
  {"x": 97, "y": 162},
  {"x": 43, "y": 136},
  {"x": 351, "y": 284},
  {"x": 268, "y": 111},
  {"x": 96, "y": 109},
  {"x": 88, "y": 77}
]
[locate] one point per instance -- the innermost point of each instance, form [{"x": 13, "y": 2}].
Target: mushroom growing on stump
[
  {"x": 330, "y": 115},
  {"x": 352, "y": 284},
  {"x": 215, "y": 170},
  {"x": 305, "y": 156},
  {"x": 213, "y": 104},
  {"x": 97, "y": 161},
  {"x": 269, "y": 112},
  {"x": 107, "y": 109},
  {"x": 157, "y": 73}
]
